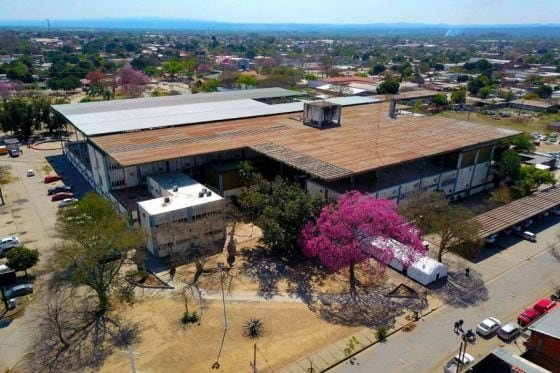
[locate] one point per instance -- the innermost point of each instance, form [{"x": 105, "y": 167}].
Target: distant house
[
  {"x": 503, "y": 361},
  {"x": 535, "y": 105},
  {"x": 410, "y": 97}
]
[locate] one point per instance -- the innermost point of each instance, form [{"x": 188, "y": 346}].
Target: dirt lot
[{"x": 291, "y": 331}]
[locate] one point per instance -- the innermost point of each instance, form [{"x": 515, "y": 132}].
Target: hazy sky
[{"x": 296, "y": 11}]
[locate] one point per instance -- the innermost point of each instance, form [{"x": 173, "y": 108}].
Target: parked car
[
  {"x": 14, "y": 153},
  {"x": 527, "y": 317},
  {"x": 67, "y": 202},
  {"x": 509, "y": 331},
  {"x": 541, "y": 307},
  {"x": 4, "y": 268},
  {"x": 30, "y": 172},
  {"x": 463, "y": 359},
  {"x": 491, "y": 238},
  {"x": 488, "y": 326},
  {"x": 18, "y": 291},
  {"x": 52, "y": 178},
  {"x": 556, "y": 211},
  {"x": 507, "y": 231},
  {"x": 529, "y": 236},
  {"x": 517, "y": 228},
  {"x": 8, "y": 243},
  {"x": 62, "y": 195},
  {"x": 58, "y": 189},
  {"x": 544, "y": 305}
]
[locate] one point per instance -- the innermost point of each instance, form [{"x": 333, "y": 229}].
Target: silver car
[{"x": 488, "y": 326}]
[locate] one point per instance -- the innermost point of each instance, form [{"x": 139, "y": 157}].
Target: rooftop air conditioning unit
[
  {"x": 321, "y": 114},
  {"x": 166, "y": 200},
  {"x": 208, "y": 193},
  {"x": 204, "y": 190},
  {"x": 200, "y": 194}
]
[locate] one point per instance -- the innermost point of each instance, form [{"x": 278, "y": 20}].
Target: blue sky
[{"x": 294, "y": 11}]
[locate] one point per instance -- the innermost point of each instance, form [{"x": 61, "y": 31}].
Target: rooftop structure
[
  {"x": 366, "y": 140},
  {"x": 412, "y": 95},
  {"x": 178, "y": 191}
]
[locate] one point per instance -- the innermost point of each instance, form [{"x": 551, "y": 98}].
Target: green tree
[
  {"x": 247, "y": 80},
  {"x": 280, "y": 209},
  {"x": 389, "y": 86},
  {"x": 544, "y": 91},
  {"x": 440, "y": 99},
  {"x": 523, "y": 143},
  {"x": 453, "y": 224},
  {"x": 173, "y": 68},
  {"x": 377, "y": 69},
  {"x": 22, "y": 258},
  {"x": 211, "y": 85},
  {"x": 459, "y": 96},
  {"x": 477, "y": 84},
  {"x": 533, "y": 177},
  {"x": 508, "y": 167},
  {"x": 484, "y": 92},
  {"x": 96, "y": 244}
]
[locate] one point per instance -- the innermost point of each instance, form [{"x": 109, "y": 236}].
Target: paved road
[
  {"x": 31, "y": 215},
  {"x": 432, "y": 343}
]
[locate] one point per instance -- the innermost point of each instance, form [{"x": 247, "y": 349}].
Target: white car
[
  {"x": 67, "y": 202},
  {"x": 30, "y": 172},
  {"x": 509, "y": 331},
  {"x": 8, "y": 243},
  {"x": 488, "y": 326},
  {"x": 464, "y": 360},
  {"x": 491, "y": 238}
]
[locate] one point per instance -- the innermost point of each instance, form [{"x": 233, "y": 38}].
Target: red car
[
  {"x": 530, "y": 314},
  {"x": 62, "y": 195},
  {"x": 52, "y": 178}
]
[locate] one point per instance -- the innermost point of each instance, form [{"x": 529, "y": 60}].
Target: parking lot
[{"x": 30, "y": 215}]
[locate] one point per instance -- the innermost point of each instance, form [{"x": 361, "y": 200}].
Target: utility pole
[{"x": 132, "y": 356}]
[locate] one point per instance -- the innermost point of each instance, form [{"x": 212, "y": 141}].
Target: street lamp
[{"x": 220, "y": 267}]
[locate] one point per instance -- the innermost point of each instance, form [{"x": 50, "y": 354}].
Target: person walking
[
  {"x": 467, "y": 272},
  {"x": 461, "y": 325}
]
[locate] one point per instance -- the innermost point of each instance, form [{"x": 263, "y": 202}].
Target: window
[{"x": 117, "y": 183}]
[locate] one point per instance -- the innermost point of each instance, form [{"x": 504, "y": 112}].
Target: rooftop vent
[
  {"x": 204, "y": 190},
  {"x": 175, "y": 188},
  {"x": 321, "y": 114},
  {"x": 200, "y": 194},
  {"x": 208, "y": 194},
  {"x": 166, "y": 200}
]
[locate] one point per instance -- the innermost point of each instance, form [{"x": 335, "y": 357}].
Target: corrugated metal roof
[
  {"x": 366, "y": 140},
  {"x": 513, "y": 213},
  {"x": 105, "y": 117},
  {"x": 549, "y": 324}
]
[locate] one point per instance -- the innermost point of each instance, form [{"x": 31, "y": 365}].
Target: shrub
[
  {"x": 381, "y": 332},
  {"x": 190, "y": 318}
]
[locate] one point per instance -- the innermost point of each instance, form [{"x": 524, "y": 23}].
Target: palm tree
[{"x": 253, "y": 329}]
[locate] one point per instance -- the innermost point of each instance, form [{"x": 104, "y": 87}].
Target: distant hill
[{"x": 201, "y": 25}]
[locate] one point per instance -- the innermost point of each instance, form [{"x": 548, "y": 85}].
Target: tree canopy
[
  {"x": 22, "y": 258},
  {"x": 342, "y": 235},
  {"x": 453, "y": 224},
  {"x": 280, "y": 209}
]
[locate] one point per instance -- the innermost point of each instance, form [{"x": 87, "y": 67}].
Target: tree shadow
[
  {"x": 372, "y": 307},
  {"x": 460, "y": 290},
  {"x": 264, "y": 266}
]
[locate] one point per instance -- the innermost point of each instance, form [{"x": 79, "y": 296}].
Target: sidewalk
[{"x": 340, "y": 351}]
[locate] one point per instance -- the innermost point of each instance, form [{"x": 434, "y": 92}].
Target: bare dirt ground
[
  {"x": 291, "y": 331},
  {"x": 302, "y": 307}
]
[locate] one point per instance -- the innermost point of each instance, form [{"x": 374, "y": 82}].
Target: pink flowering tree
[
  {"x": 132, "y": 81},
  {"x": 359, "y": 228},
  {"x": 8, "y": 89}
]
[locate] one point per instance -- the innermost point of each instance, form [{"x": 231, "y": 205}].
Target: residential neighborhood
[{"x": 357, "y": 191}]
